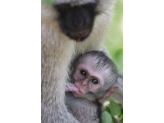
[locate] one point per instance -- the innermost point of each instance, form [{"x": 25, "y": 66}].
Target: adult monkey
[{"x": 69, "y": 28}]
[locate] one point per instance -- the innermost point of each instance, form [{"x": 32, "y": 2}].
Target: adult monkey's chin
[{"x": 79, "y": 36}]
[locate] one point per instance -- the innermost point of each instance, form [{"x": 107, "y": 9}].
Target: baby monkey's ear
[{"x": 108, "y": 93}]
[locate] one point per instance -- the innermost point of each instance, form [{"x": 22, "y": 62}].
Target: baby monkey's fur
[{"x": 95, "y": 65}]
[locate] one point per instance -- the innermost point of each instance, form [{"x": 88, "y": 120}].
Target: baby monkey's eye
[
  {"x": 94, "y": 81},
  {"x": 82, "y": 72}
]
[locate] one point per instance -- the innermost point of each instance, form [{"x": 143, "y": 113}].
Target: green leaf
[
  {"x": 121, "y": 117},
  {"x": 114, "y": 108},
  {"x": 107, "y": 109},
  {"x": 106, "y": 117}
]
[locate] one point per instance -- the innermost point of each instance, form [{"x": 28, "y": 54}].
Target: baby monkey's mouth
[
  {"x": 73, "y": 88},
  {"x": 77, "y": 93}
]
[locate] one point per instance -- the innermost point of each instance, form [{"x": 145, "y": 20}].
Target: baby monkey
[{"x": 93, "y": 81}]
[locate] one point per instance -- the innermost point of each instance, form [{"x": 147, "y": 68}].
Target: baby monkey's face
[
  {"x": 87, "y": 80},
  {"x": 93, "y": 82}
]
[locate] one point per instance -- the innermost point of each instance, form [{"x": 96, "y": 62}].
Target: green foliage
[
  {"x": 114, "y": 108},
  {"x": 47, "y": 1},
  {"x": 111, "y": 111},
  {"x": 106, "y": 117}
]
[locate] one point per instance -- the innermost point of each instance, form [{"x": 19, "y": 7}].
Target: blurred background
[
  {"x": 113, "y": 112},
  {"x": 114, "y": 37}
]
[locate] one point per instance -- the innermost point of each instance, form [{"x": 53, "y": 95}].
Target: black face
[{"x": 76, "y": 22}]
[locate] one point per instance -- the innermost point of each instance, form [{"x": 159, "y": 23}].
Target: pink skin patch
[{"x": 73, "y": 88}]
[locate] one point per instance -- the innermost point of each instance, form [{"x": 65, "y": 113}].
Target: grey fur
[
  {"x": 82, "y": 109},
  {"x": 57, "y": 52}
]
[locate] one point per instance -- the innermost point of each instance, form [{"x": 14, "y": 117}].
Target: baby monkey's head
[{"x": 94, "y": 74}]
